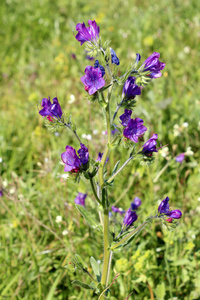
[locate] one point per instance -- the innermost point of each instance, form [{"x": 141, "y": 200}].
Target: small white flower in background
[
  {"x": 186, "y": 49},
  {"x": 185, "y": 125},
  {"x": 12, "y": 190},
  {"x": 176, "y": 130},
  {"x": 164, "y": 151},
  {"x": 103, "y": 132},
  {"x": 5, "y": 183},
  {"x": 189, "y": 151},
  {"x": 46, "y": 160},
  {"x": 198, "y": 199},
  {"x": 72, "y": 99},
  {"x": 58, "y": 219},
  {"x": 65, "y": 232},
  {"x": 1, "y": 159},
  {"x": 56, "y": 133},
  {"x": 86, "y": 136},
  {"x": 95, "y": 131}
]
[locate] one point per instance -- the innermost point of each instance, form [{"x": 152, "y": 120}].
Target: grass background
[{"x": 36, "y": 44}]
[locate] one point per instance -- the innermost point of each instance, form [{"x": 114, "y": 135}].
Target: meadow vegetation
[{"x": 37, "y": 49}]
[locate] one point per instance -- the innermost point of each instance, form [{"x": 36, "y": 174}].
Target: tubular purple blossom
[
  {"x": 114, "y": 58},
  {"x": 175, "y": 214},
  {"x": 180, "y": 158},
  {"x": 164, "y": 206},
  {"x": 83, "y": 154},
  {"x": 72, "y": 161},
  {"x": 50, "y": 109},
  {"x": 153, "y": 65},
  {"x": 86, "y": 34},
  {"x": 80, "y": 199},
  {"x": 126, "y": 117},
  {"x": 130, "y": 218},
  {"x": 164, "y": 209},
  {"x": 130, "y": 89},
  {"x": 134, "y": 129},
  {"x": 93, "y": 79},
  {"x": 150, "y": 146},
  {"x": 136, "y": 203}
]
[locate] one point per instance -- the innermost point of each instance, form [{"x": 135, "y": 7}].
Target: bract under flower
[
  {"x": 92, "y": 79},
  {"x": 86, "y": 34},
  {"x": 153, "y": 65},
  {"x": 80, "y": 199},
  {"x": 130, "y": 89},
  {"x": 50, "y": 109},
  {"x": 134, "y": 129}
]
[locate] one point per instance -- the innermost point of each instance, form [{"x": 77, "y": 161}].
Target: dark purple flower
[
  {"x": 153, "y": 65},
  {"x": 164, "y": 209},
  {"x": 150, "y": 146},
  {"x": 83, "y": 154},
  {"x": 130, "y": 89},
  {"x": 93, "y": 79},
  {"x": 129, "y": 218},
  {"x": 114, "y": 58},
  {"x": 118, "y": 210},
  {"x": 100, "y": 155},
  {"x": 71, "y": 160},
  {"x": 134, "y": 129},
  {"x": 180, "y": 158},
  {"x": 136, "y": 203},
  {"x": 80, "y": 199},
  {"x": 126, "y": 117},
  {"x": 50, "y": 110},
  {"x": 97, "y": 65},
  {"x": 86, "y": 34}
]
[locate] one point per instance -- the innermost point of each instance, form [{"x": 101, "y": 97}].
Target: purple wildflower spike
[
  {"x": 130, "y": 89},
  {"x": 126, "y": 117},
  {"x": 134, "y": 129},
  {"x": 50, "y": 109},
  {"x": 87, "y": 34},
  {"x": 92, "y": 79},
  {"x": 180, "y": 158},
  {"x": 136, "y": 203},
  {"x": 130, "y": 218},
  {"x": 114, "y": 58},
  {"x": 153, "y": 65},
  {"x": 80, "y": 199}
]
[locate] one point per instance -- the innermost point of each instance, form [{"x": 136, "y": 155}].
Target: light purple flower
[
  {"x": 134, "y": 129},
  {"x": 50, "y": 110},
  {"x": 136, "y": 203},
  {"x": 164, "y": 209},
  {"x": 86, "y": 34},
  {"x": 153, "y": 65},
  {"x": 180, "y": 158},
  {"x": 114, "y": 58},
  {"x": 150, "y": 146},
  {"x": 126, "y": 117},
  {"x": 118, "y": 210},
  {"x": 130, "y": 218},
  {"x": 80, "y": 199},
  {"x": 175, "y": 214},
  {"x": 72, "y": 162},
  {"x": 93, "y": 79},
  {"x": 130, "y": 89}
]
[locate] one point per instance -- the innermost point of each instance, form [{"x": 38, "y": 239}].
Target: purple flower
[
  {"x": 138, "y": 57},
  {"x": 100, "y": 155},
  {"x": 1, "y": 193},
  {"x": 164, "y": 209},
  {"x": 50, "y": 110},
  {"x": 86, "y": 34},
  {"x": 130, "y": 89},
  {"x": 92, "y": 79},
  {"x": 153, "y": 65},
  {"x": 180, "y": 158},
  {"x": 89, "y": 57},
  {"x": 72, "y": 161},
  {"x": 80, "y": 199},
  {"x": 129, "y": 218},
  {"x": 126, "y": 117},
  {"x": 136, "y": 203},
  {"x": 118, "y": 210},
  {"x": 83, "y": 154},
  {"x": 150, "y": 146},
  {"x": 134, "y": 129},
  {"x": 97, "y": 65},
  {"x": 114, "y": 58}
]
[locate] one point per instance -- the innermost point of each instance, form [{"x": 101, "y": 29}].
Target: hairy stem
[
  {"x": 106, "y": 246},
  {"x": 74, "y": 132},
  {"x": 94, "y": 191}
]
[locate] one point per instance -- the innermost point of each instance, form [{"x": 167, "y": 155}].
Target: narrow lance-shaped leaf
[
  {"x": 82, "y": 284},
  {"x": 95, "y": 268},
  {"x": 80, "y": 262},
  {"x": 92, "y": 222}
]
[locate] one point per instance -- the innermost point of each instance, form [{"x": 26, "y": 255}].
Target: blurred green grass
[{"x": 36, "y": 43}]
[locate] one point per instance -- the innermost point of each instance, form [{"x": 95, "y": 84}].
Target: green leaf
[
  {"x": 181, "y": 262},
  {"x": 82, "y": 284},
  {"x": 53, "y": 288},
  {"x": 80, "y": 262},
  {"x": 160, "y": 291},
  {"x": 92, "y": 222},
  {"x": 95, "y": 268},
  {"x": 115, "y": 168}
]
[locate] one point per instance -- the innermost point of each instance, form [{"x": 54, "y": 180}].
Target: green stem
[
  {"x": 106, "y": 246},
  {"x": 94, "y": 191},
  {"x": 126, "y": 162},
  {"x": 74, "y": 132}
]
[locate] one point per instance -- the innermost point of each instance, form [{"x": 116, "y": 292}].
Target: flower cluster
[
  {"x": 163, "y": 209},
  {"x": 153, "y": 65},
  {"x": 93, "y": 79},
  {"x": 50, "y": 110},
  {"x": 87, "y": 34},
  {"x": 150, "y": 146},
  {"x": 72, "y": 162}
]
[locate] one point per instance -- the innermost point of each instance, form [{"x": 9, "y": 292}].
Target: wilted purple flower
[
  {"x": 118, "y": 210},
  {"x": 136, "y": 203},
  {"x": 86, "y": 34},
  {"x": 97, "y": 65},
  {"x": 150, "y": 146},
  {"x": 114, "y": 58},
  {"x": 50, "y": 110},
  {"x": 80, "y": 199},
  {"x": 180, "y": 158},
  {"x": 153, "y": 65},
  {"x": 134, "y": 129},
  {"x": 100, "y": 155},
  {"x": 72, "y": 161},
  {"x": 83, "y": 154},
  {"x": 130, "y": 89},
  {"x": 92, "y": 79},
  {"x": 164, "y": 209},
  {"x": 126, "y": 117},
  {"x": 129, "y": 218}
]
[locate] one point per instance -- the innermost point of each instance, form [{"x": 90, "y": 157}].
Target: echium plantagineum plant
[{"x": 99, "y": 81}]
